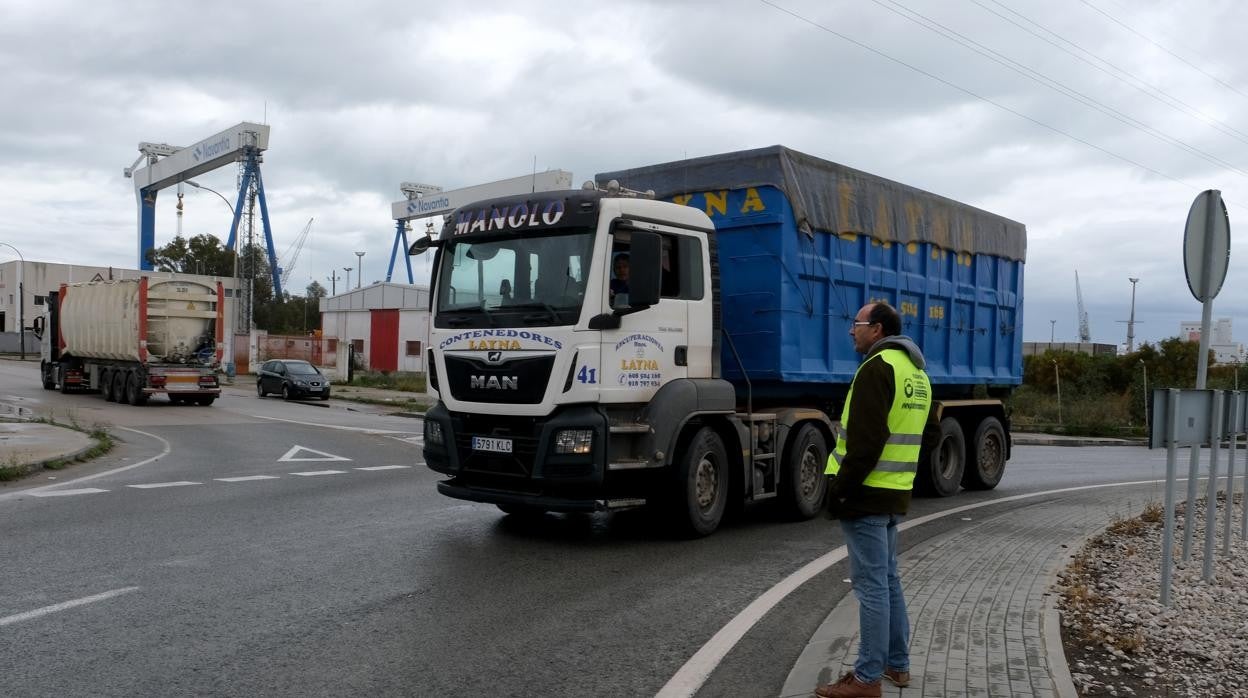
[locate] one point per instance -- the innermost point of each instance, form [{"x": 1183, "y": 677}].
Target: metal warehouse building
[{"x": 387, "y": 323}]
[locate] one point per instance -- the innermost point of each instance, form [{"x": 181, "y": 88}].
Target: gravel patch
[{"x": 1120, "y": 640}]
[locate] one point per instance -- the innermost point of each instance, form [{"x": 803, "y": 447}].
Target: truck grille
[
  {"x": 514, "y": 382},
  {"x": 522, "y": 432}
]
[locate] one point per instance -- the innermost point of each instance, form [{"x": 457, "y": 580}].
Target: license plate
[{"x": 485, "y": 443}]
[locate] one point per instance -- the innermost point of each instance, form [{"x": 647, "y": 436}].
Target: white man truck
[
  {"x": 714, "y": 374},
  {"x": 134, "y": 338}
]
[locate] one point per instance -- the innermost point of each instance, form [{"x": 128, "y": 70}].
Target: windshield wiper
[{"x": 553, "y": 313}]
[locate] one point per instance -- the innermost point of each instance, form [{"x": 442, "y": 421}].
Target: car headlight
[
  {"x": 433, "y": 433},
  {"x": 574, "y": 441}
]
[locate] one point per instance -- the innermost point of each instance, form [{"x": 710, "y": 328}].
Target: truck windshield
[{"x": 514, "y": 281}]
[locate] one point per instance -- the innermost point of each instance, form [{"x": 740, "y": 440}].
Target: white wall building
[
  {"x": 388, "y": 324},
  {"x": 1221, "y": 341}
]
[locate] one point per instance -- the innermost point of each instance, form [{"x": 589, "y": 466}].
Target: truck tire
[
  {"x": 119, "y": 386},
  {"x": 987, "y": 462},
  {"x": 802, "y": 482},
  {"x": 701, "y": 493},
  {"x": 134, "y": 390},
  {"x": 941, "y": 466},
  {"x": 205, "y": 400},
  {"x": 521, "y": 511},
  {"x": 106, "y": 386},
  {"x": 46, "y": 375},
  {"x": 65, "y": 389}
]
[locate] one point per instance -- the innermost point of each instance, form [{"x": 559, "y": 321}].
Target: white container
[{"x": 101, "y": 320}]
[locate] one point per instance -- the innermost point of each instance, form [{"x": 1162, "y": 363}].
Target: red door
[{"x": 384, "y": 341}]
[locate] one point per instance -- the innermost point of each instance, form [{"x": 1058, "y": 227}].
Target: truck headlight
[
  {"x": 433, "y": 433},
  {"x": 574, "y": 441}
]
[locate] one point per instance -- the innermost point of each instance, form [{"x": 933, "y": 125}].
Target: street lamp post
[
  {"x": 359, "y": 269},
  {"x": 1131, "y": 322},
  {"x": 348, "y": 270},
  {"x": 21, "y": 302},
  {"x": 1052, "y": 330}
]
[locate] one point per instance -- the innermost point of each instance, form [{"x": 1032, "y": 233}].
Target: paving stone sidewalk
[{"x": 982, "y": 616}]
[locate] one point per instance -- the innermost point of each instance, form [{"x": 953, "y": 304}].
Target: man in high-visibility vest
[{"x": 872, "y": 469}]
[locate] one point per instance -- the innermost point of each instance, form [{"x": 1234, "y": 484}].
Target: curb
[{"x": 28, "y": 469}]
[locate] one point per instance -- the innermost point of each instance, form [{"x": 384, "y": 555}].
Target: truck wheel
[
  {"x": 119, "y": 386},
  {"x": 47, "y": 376},
  {"x": 205, "y": 400},
  {"x": 106, "y": 386},
  {"x": 941, "y": 466},
  {"x": 65, "y": 389},
  {"x": 987, "y": 463},
  {"x": 702, "y": 485},
  {"x": 802, "y": 483},
  {"x": 134, "y": 390}
]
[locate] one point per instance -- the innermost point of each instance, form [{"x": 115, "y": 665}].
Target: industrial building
[{"x": 386, "y": 323}]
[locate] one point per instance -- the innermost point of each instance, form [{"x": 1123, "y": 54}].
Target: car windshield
[
  {"x": 516, "y": 281},
  {"x": 301, "y": 369}
]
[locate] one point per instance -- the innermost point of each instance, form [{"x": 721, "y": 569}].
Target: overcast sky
[{"x": 1095, "y": 123}]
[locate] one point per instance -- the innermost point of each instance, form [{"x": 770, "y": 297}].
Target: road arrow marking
[{"x": 320, "y": 455}]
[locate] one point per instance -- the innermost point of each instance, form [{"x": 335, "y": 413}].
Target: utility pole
[
  {"x": 1131, "y": 322},
  {"x": 333, "y": 282}
]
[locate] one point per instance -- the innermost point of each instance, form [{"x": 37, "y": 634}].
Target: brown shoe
[
  {"x": 849, "y": 687},
  {"x": 898, "y": 678}
]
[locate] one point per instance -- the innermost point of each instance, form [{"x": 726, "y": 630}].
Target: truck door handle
[{"x": 682, "y": 355}]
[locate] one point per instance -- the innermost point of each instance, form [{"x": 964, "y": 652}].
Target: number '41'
[{"x": 587, "y": 375}]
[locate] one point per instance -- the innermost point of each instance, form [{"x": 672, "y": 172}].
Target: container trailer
[
  {"x": 714, "y": 374},
  {"x": 134, "y": 338}
]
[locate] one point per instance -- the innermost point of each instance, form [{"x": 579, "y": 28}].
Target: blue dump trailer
[{"x": 710, "y": 370}]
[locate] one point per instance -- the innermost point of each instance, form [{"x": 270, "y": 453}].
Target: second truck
[{"x": 712, "y": 374}]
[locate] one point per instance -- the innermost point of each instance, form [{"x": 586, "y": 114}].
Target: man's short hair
[{"x": 887, "y": 318}]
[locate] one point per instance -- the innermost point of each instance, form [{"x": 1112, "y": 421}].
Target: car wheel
[
  {"x": 260, "y": 389},
  {"x": 286, "y": 394}
]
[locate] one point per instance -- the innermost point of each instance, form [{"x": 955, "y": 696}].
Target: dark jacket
[{"x": 874, "y": 388}]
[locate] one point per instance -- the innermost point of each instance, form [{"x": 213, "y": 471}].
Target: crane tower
[{"x": 1085, "y": 334}]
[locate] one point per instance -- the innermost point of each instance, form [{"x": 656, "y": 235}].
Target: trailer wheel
[
  {"x": 134, "y": 390},
  {"x": 702, "y": 485},
  {"x": 205, "y": 400},
  {"x": 941, "y": 466},
  {"x": 46, "y": 376},
  {"x": 802, "y": 483},
  {"x": 106, "y": 386},
  {"x": 987, "y": 463},
  {"x": 65, "y": 389},
  {"x": 119, "y": 386}
]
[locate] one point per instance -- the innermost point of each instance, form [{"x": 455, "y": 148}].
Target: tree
[
  {"x": 315, "y": 290},
  {"x": 202, "y": 254}
]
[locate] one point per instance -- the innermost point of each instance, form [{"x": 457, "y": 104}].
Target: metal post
[
  {"x": 1233, "y": 430},
  {"x": 1145, "y": 367},
  {"x": 1131, "y": 322},
  {"x": 1211, "y": 492},
  {"x": 1167, "y": 536},
  {"x": 1052, "y": 330}
]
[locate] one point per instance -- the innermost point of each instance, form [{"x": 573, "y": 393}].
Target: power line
[
  {"x": 1134, "y": 81},
  {"x": 1055, "y": 85},
  {"x": 966, "y": 91},
  {"x": 1195, "y": 67}
]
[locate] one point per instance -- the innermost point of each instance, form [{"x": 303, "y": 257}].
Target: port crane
[{"x": 287, "y": 263}]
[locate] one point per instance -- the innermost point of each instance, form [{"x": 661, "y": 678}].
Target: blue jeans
[{"x": 883, "y": 628}]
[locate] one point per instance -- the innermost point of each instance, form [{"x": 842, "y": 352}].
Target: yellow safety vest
[{"x": 912, "y": 399}]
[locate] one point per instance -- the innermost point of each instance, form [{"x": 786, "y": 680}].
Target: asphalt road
[{"x": 301, "y": 561}]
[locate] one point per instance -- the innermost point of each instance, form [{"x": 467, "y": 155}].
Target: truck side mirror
[
  {"x": 422, "y": 244},
  {"x": 36, "y": 326},
  {"x": 645, "y": 269}
]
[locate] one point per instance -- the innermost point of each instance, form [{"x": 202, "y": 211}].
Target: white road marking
[
  {"x": 384, "y": 467},
  {"x": 313, "y": 473},
  {"x": 86, "y": 478},
  {"x": 156, "y": 485},
  {"x": 690, "y": 677},
  {"x": 247, "y": 478},
  {"x": 66, "y": 493},
  {"x": 38, "y": 612},
  {"x": 365, "y": 430},
  {"x": 321, "y": 455}
]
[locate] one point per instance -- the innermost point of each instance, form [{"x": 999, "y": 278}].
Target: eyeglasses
[{"x": 861, "y": 323}]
